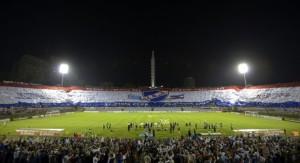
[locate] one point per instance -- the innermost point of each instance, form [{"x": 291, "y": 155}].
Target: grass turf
[{"x": 87, "y": 122}]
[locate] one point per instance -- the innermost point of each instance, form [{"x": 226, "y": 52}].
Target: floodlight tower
[
  {"x": 243, "y": 69},
  {"x": 63, "y": 69},
  {"x": 152, "y": 70}
]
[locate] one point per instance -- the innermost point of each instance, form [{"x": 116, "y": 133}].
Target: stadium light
[
  {"x": 63, "y": 69},
  {"x": 243, "y": 69}
]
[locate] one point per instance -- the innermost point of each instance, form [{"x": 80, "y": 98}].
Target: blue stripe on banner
[{"x": 214, "y": 102}]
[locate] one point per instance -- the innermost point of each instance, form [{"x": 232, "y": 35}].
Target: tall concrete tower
[{"x": 153, "y": 70}]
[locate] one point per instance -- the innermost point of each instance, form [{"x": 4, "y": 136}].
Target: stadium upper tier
[{"x": 26, "y": 95}]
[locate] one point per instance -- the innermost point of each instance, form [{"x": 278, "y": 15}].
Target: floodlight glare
[
  {"x": 243, "y": 68},
  {"x": 63, "y": 68}
]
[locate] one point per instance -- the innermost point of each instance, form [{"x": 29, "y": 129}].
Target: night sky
[{"x": 108, "y": 42}]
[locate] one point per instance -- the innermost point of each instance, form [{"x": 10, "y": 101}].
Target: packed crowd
[{"x": 187, "y": 149}]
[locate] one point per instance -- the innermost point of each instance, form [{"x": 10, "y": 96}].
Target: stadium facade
[{"x": 27, "y": 95}]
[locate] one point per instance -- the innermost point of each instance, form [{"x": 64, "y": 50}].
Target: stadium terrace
[{"x": 28, "y": 95}]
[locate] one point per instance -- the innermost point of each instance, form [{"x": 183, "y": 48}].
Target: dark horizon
[{"x": 107, "y": 42}]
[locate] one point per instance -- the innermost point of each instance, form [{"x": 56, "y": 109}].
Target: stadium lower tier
[{"x": 38, "y": 96}]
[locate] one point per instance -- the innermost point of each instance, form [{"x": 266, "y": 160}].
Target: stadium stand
[
  {"x": 25, "y": 99},
  {"x": 26, "y": 95}
]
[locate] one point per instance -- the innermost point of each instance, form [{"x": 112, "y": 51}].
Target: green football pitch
[{"x": 91, "y": 123}]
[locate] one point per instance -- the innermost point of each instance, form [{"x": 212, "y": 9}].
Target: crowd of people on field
[
  {"x": 189, "y": 149},
  {"x": 151, "y": 127}
]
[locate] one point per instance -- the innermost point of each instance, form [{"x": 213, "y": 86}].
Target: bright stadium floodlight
[
  {"x": 63, "y": 69},
  {"x": 243, "y": 69}
]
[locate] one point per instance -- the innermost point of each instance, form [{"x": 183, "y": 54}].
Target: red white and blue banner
[{"x": 26, "y": 95}]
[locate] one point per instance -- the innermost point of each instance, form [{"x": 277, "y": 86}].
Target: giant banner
[{"x": 47, "y": 96}]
